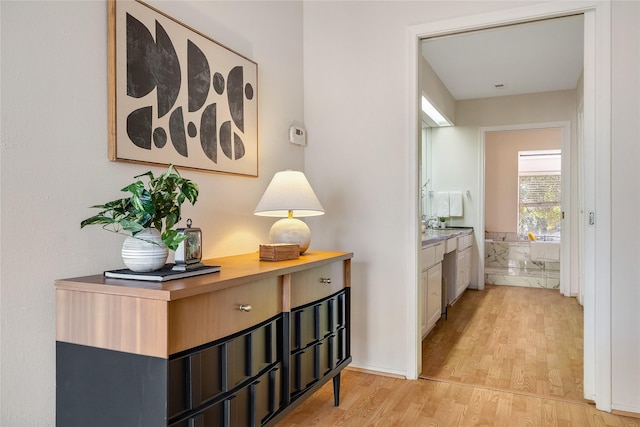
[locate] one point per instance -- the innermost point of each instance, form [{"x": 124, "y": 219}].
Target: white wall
[
  {"x": 625, "y": 199},
  {"x": 455, "y": 161},
  {"x": 517, "y": 109},
  {"x": 54, "y": 165}
]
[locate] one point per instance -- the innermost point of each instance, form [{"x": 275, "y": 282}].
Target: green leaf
[
  {"x": 148, "y": 174},
  {"x": 156, "y": 204},
  {"x": 171, "y": 220},
  {"x": 97, "y": 219},
  {"x": 132, "y": 226},
  {"x": 172, "y": 239}
]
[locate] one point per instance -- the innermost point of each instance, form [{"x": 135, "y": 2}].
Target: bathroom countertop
[{"x": 440, "y": 234}]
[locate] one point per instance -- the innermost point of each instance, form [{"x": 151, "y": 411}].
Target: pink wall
[{"x": 501, "y": 172}]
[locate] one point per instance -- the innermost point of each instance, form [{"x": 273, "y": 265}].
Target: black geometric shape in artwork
[
  {"x": 218, "y": 83},
  {"x": 176, "y": 130},
  {"x": 166, "y": 68},
  {"x": 159, "y": 137},
  {"x": 198, "y": 76},
  {"x": 235, "y": 87},
  {"x": 225, "y": 139},
  {"x": 140, "y": 49},
  {"x": 208, "y": 137},
  {"x": 139, "y": 127},
  {"x": 192, "y": 130},
  {"x": 238, "y": 146},
  {"x": 248, "y": 91}
]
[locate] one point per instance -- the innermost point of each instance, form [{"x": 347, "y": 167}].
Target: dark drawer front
[
  {"x": 318, "y": 341},
  {"x": 201, "y": 380},
  {"x": 251, "y": 405}
]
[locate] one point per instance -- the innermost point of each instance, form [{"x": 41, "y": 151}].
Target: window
[{"x": 539, "y": 210}]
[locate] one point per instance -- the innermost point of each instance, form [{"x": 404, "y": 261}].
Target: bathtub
[
  {"x": 545, "y": 251},
  {"x": 510, "y": 263}
]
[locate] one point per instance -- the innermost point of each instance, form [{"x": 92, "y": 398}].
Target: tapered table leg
[{"x": 336, "y": 390}]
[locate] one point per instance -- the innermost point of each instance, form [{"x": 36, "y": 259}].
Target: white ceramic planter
[{"x": 141, "y": 255}]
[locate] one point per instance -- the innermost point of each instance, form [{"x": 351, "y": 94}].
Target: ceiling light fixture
[{"x": 433, "y": 113}]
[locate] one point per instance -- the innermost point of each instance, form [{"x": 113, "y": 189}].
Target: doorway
[
  {"x": 501, "y": 224},
  {"x": 468, "y": 139},
  {"x": 596, "y": 78}
]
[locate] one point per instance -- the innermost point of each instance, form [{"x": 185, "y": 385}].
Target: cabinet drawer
[
  {"x": 205, "y": 374},
  {"x": 440, "y": 250},
  {"x": 203, "y": 318},
  {"x": 465, "y": 241},
  {"x": 316, "y": 321},
  {"x": 316, "y": 283},
  {"x": 311, "y": 364},
  {"x": 252, "y": 405},
  {"x": 451, "y": 245},
  {"x": 427, "y": 256}
]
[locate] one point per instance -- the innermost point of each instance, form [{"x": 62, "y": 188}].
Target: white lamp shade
[{"x": 289, "y": 191}]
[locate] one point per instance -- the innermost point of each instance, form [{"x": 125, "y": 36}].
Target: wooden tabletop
[{"x": 235, "y": 270}]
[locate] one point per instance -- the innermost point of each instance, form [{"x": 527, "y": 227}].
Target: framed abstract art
[{"x": 177, "y": 96}]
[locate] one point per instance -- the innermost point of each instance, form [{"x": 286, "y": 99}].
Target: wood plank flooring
[
  {"x": 524, "y": 340},
  {"x": 374, "y": 400},
  {"x": 505, "y": 357}
]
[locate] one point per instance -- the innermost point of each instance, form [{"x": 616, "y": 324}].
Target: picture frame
[{"x": 176, "y": 96}]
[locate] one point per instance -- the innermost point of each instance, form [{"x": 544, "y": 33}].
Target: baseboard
[
  {"x": 374, "y": 372},
  {"x": 625, "y": 413}
]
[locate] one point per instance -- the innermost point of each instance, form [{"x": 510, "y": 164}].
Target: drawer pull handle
[
  {"x": 245, "y": 307},
  {"x": 326, "y": 280}
]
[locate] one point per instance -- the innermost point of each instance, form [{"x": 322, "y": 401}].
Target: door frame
[
  {"x": 597, "y": 86},
  {"x": 566, "y": 242}
]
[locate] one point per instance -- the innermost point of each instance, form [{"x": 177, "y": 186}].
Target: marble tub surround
[
  {"x": 504, "y": 237},
  {"x": 545, "y": 251},
  {"x": 509, "y": 263}
]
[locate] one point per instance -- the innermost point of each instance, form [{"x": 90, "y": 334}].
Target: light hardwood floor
[
  {"x": 374, "y": 400},
  {"x": 525, "y": 340},
  {"x": 515, "y": 361}
]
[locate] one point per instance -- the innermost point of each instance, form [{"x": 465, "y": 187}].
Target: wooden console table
[{"x": 242, "y": 347}]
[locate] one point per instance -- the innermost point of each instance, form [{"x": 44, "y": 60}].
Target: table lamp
[{"x": 289, "y": 195}]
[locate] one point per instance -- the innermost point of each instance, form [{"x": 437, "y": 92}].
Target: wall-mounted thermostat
[{"x": 297, "y": 135}]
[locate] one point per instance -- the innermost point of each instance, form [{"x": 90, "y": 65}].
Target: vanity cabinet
[
  {"x": 431, "y": 285},
  {"x": 241, "y": 347},
  {"x": 457, "y": 267},
  {"x": 463, "y": 274}
]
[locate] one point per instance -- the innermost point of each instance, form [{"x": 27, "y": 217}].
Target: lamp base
[{"x": 291, "y": 230}]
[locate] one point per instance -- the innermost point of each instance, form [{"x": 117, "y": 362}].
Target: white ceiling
[{"x": 527, "y": 58}]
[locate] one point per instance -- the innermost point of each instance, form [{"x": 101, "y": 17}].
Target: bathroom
[{"x": 523, "y": 214}]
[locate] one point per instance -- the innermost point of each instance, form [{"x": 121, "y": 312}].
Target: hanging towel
[
  {"x": 442, "y": 204},
  {"x": 455, "y": 203}
]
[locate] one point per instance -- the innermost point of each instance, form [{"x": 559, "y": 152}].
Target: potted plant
[
  {"x": 147, "y": 216},
  {"x": 443, "y": 222}
]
